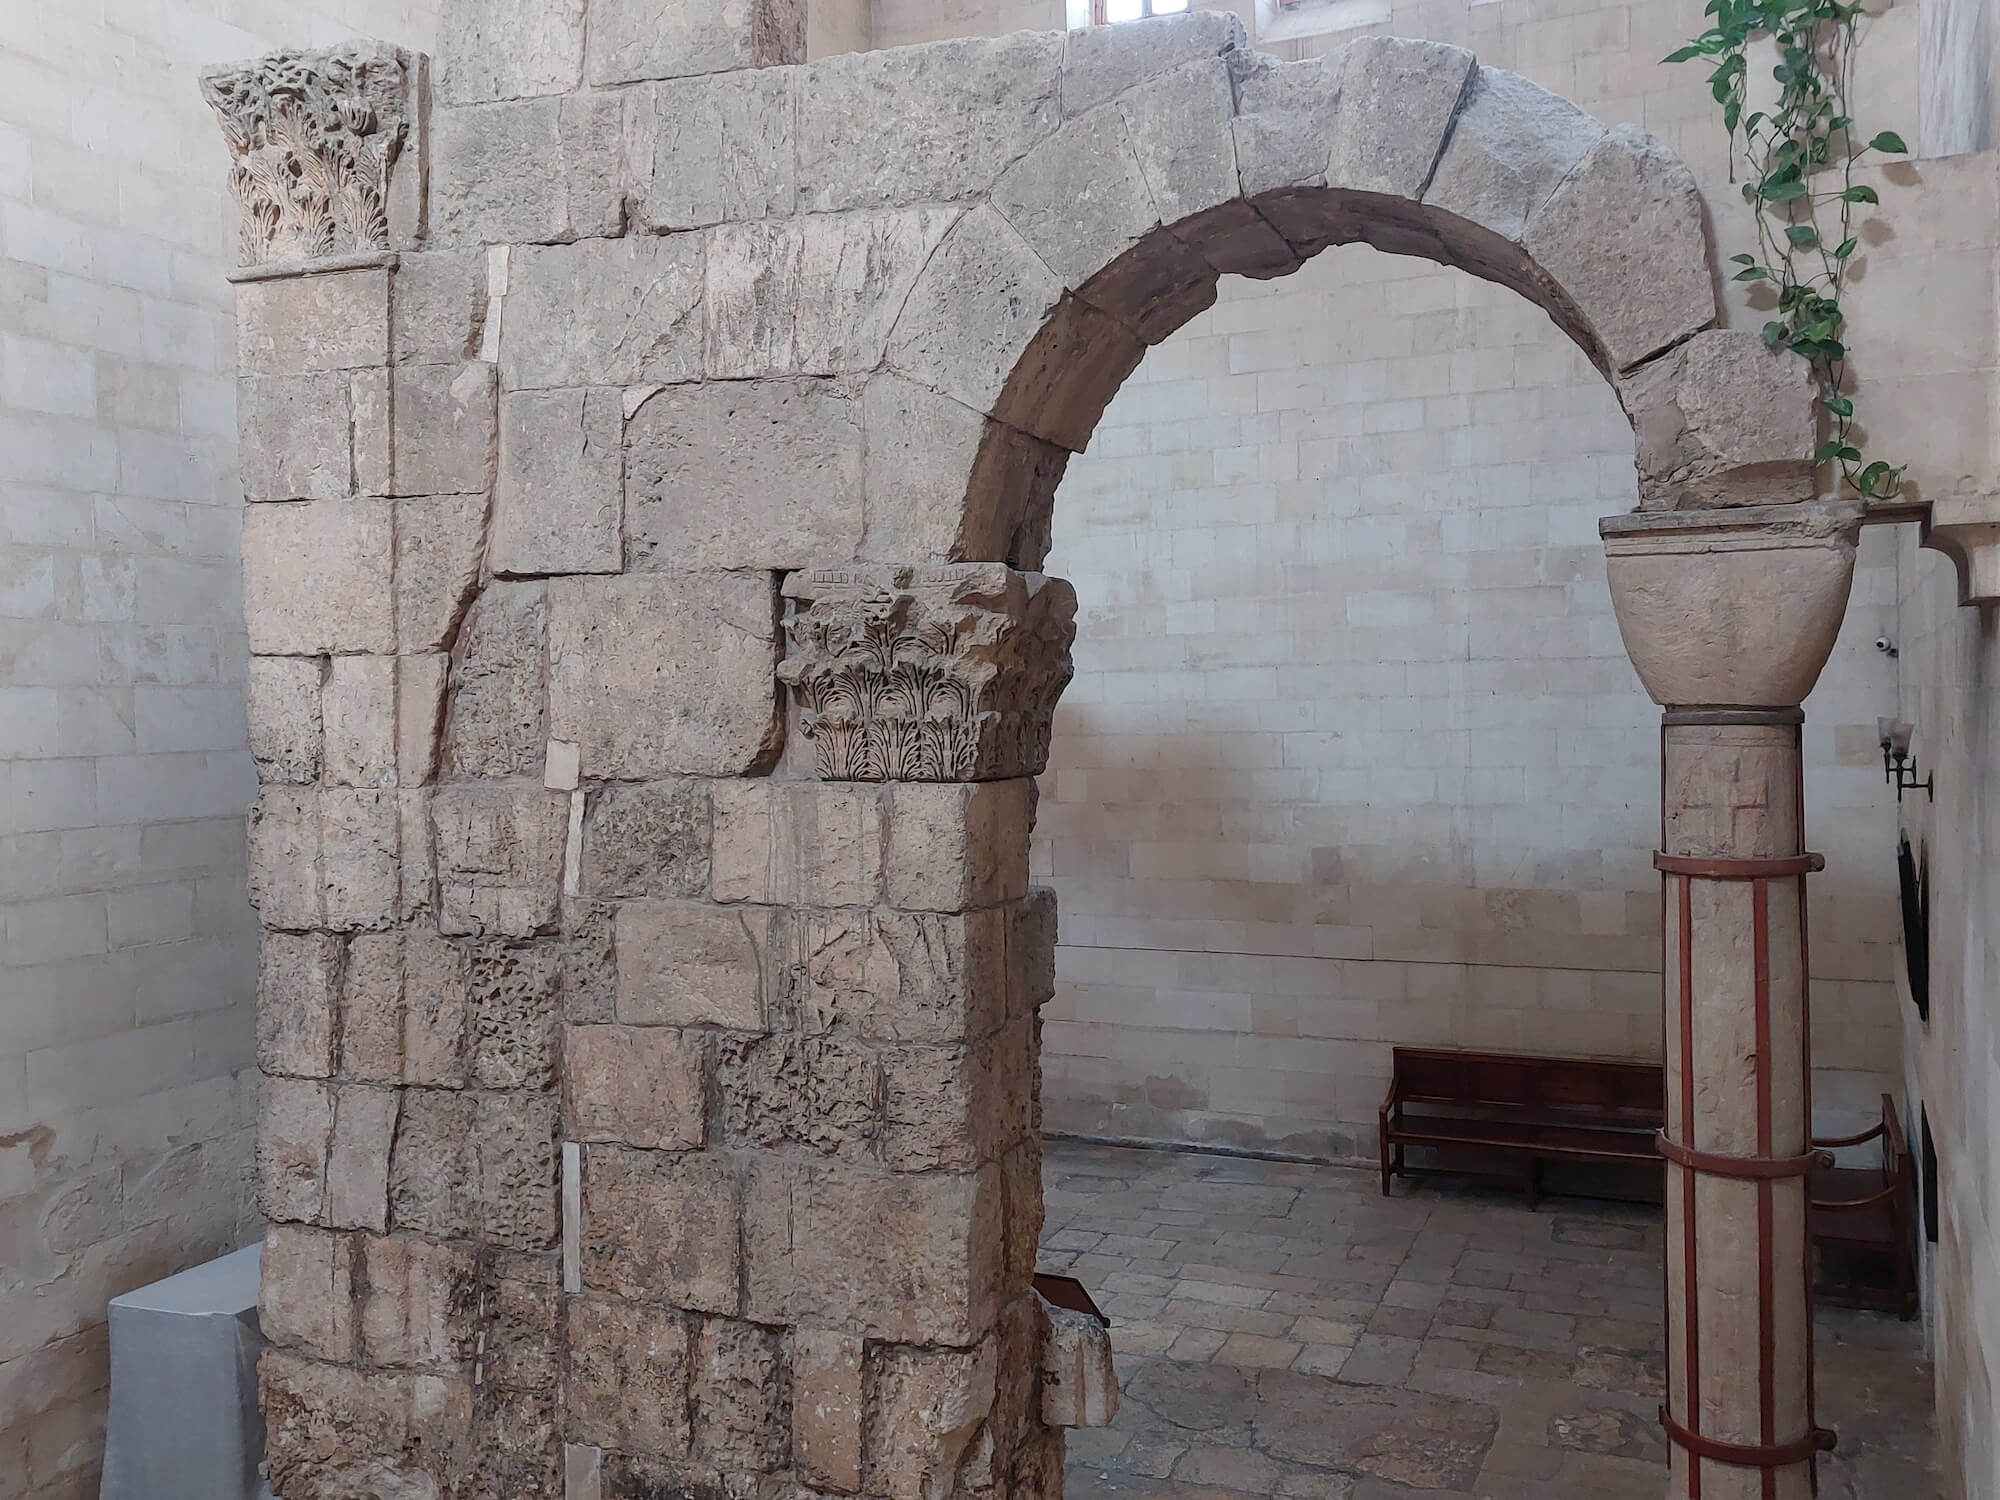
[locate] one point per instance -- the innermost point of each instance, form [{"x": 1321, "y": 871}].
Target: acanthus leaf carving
[
  {"x": 927, "y": 674},
  {"x": 313, "y": 138}
]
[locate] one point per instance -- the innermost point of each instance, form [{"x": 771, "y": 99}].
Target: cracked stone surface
[{"x": 1284, "y": 1330}]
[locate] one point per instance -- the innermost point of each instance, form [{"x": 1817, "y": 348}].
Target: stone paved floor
[{"x": 1284, "y": 1330}]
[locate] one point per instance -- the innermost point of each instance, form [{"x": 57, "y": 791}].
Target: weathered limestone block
[
  {"x": 1722, "y": 420},
  {"x": 282, "y": 695},
  {"x": 742, "y": 1396},
  {"x": 438, "y": 314},
  {"x": 603, "y": 313},
  {"x": 974, "y": 310},
  {"x": 1179, "y": 128},
  {"x": 414, "y": 902},
  {"x": 1079, "y": 198},
  {"x": 1031, "y": 950},
  {"x": 821, "y": 1092},
  {"x": 476, "y": 1166},
  {"x": 752, "y": 291},
  {"x": 686, "y": 963},
  {"x": 513, "y": 1006},
  {"x": 664, "y": 674},
  {"x": 1079, "y": 1382},
  {"x": 402, "y": 1009},
  {"x": 944, "y": 674},
  {"x": 589, "y": 966},
  {"x": 640, "y": 1086},
  {"x": 358, "y": 708},
  {"x": 1397, "y": 101},
  {"x": 316, "y": 577},
  {"x": 923, "y": 124},
  {"x": 827, "y": 1408},
  {"x": 495, "y": 722},
  {"x": 298, "y": 983},
  {"x": 782, "y": 843},
  {"x": 1733, "y": 607},
  {"x": 743, "y": 474},
  {"x": 371, "y": 431},
  {"x": 632, "y": 40},
  {"x": 1629, "y": 216},
  {"x": 1067, "y": 375},
  {"x": 420, "y": 684},
  {"x": 438, "y": 545},
  {"x": 420, "y": 1307},
  {"x": 952, "y": 1108},
  {"x": 855, "y": 273},
  {"x": 1285, "y": 119},
  {"x": 306, "y": 1293},
  {"x": 929, "y": 1406},
  {"x": 517, "y": 1443},
  {"x": 628, "y": 1376},
  {"x": 443, "y": 429},
  {"x": 650, "y": 1222},
  {"x": 297, "y": 434},
  {"x": 1099, "y": 64},
  {"x": 327, "y": 860},
  {"x": 332, "y": 1430},
  {"x": 291, "y": 324},
  {"x": 508, "y": 49},
  {"x": 520, "y": 1316},
  {"x": 889, "y": 1255},
  {"x": 556, "y": 508},
  {"x": 1513, "y": 144},
  {"x": 711, "y": 150},
  {"x": 650, "y": 839},
  {"x": 1021, "y": 1195},
  {"x": 527, "y": 171},
  {"x": 297, "y": 123},
  {"x": 360, "y": 858},
  {"x": 918, "y": 442},
  {"x": 500, "y": 858},
  {"x": 904, "y": 976},
  {"x": 954, "y": 846},
  {"x": 323, "y": 1153}
]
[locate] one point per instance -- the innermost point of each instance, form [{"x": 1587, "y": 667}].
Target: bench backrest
[{"x": 1608, "y": 1090}]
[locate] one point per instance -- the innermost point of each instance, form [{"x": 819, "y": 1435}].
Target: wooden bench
[
  {"x": 1536, "y": 1109},
  {"x": 1867, "y": 1209}
]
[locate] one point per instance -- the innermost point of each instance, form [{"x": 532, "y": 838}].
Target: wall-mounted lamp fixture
[{"x": 1896, "y": 767}]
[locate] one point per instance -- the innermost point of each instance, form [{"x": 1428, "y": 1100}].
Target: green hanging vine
[{"x": 1805, "y": 231}]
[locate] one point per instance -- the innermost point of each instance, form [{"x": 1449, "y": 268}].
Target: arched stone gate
[{"x": 648, "y": 477}]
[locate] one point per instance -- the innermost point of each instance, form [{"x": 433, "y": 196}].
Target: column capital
[
  {"x": 314, "y": 139},
  {"x": 941, "y": 673},
  {"x": 1733, "y": 608}
]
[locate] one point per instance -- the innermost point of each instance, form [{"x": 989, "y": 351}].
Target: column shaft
[{"x": 1739, "y": 1106}]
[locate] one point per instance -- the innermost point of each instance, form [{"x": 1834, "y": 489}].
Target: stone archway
[{"x": 651, "y": 1056}]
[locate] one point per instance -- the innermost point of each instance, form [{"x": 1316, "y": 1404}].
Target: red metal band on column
[
  {"x": 1702, "y": 868},
  {"x": 1767, "y": 1336},
  {"x": 1799, "y": 1450},
  {"x": 1691, "y": 1293}
]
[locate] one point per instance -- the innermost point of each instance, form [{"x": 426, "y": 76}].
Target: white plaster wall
[{"x": 127, "y": 950}]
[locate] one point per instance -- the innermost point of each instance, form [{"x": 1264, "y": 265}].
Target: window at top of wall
[
  {"x": 1279, "y": 20},
  {"x": 1104, "y": 12}
]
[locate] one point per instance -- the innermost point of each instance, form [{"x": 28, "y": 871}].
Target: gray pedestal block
[{"x": 184, "y": 1421}]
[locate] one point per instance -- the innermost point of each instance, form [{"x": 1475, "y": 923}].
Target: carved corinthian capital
[
  {"x": 313, "y": 138},
  {"x": 927, "y": 674}
]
